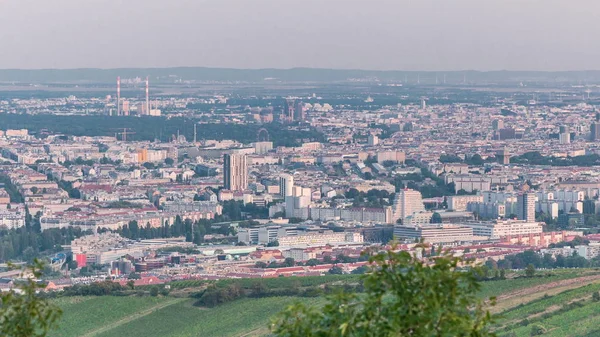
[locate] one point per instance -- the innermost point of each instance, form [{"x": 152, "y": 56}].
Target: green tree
[
  {"x": 530, "y": 270},
  {"x": 273, "y": 244},
  {"x": 537, "y": 330},
  {"x": 154, "y": 291},
  {"x": 596, "y": 297},
  {"x": 289, "y": 262},
  {"x": 26, "y": 314},
  {"x": 403, "y": 296},
  {"x": 436, "y": 218},
  {"x": 312, "y": 262},
  {"x": 260, "y": 264},
  {"x": 164, "y": 291}
]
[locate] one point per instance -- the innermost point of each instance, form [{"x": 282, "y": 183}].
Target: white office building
[
  {"x": 407, "y": 203},
  {"x": 501, "y": 228}
]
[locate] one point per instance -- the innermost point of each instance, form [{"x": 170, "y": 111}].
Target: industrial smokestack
[
  {"x": 118, "y": 95},
  {"x": 147, "y": 98}
]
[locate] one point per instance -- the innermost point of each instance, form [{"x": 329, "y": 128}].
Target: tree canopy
[
  {"x": 25, "y": 314},
  {"x": 404, "y": 296}
]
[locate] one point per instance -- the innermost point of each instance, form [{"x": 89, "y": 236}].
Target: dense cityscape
[
  {"x": 299, "y": 169},
  {"x": 303, "y": 186}
]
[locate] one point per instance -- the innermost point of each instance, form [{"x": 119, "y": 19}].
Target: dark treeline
[
  {"x": 418, "y": 182},
  {"x": 151, "y": 128},
  {"x": 221, "y": 293},
  {"x": 13, "y": 193},
  {"x": 194, "y": 231},
  {"x": 474, "y": 160},
  {"x": 27, "y": 243},
  {"x": 94, "y": 289},
  {"x": 529, "y": 257},
  {"x": 372, "y": 198},
  {"x": 536, "y": 158}
]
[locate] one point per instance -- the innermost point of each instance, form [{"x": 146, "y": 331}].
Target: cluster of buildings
[{"x": 501, "y": 177}]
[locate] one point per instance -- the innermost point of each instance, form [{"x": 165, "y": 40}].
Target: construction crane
[{"x": 124, "y": 132}]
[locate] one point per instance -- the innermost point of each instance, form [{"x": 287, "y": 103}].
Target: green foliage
[
  {"x": 260, "y": 264},
  {"x": 537, "y": 330},
  {"x": 335, "y": 270},
  {"x": 428, "y": 189},
  {"x": 154, "y": 291},
  {"x": 273, "y": 244},
  {"x": 25, "y": 314},
  {"x": 449, "y": 158},
  {"x": 436, "y": 218},
  {"x": 404, "y": 296},
  {"x": 156, "y": 128},
  {"x": 372, "y": 198},
  {"x": 530, "y": 270},
  {"x": 522, "y": 260},
  {"x": 123, "y": 204},
  {"x": 360, "y": 270},
  {"x": 232, "y": 210},
  {"x": 536, "y": 158},
  {"x": 475, "y": 160},
  {"x": 13, "y": 192},
  {"x": 95, "y": 289},
  {"x": 215, "y": 295},
  {"x": 27, "y": 242}
]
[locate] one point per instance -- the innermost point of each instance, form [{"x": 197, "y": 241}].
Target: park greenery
[
  {"x": 27, "y": 243},
  {"x": 194, "y": 231},
  {"x": 426, "y": 182},
  {"x": 149, "y": 129},
  {"x": 536, "y": 158}
]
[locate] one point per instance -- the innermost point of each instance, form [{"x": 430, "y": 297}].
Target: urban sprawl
[{"x": 237, "y": 180}]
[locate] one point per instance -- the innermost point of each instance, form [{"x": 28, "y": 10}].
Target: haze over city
[{"x": 383, "y": 35}]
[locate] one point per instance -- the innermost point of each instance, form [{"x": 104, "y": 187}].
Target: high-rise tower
[
  {"x": 595, "y": 128},
  {"x": 407, "y": 202},
  {"x": 235, "y": 172},
  {"x": 118, "y": 95},
  {"x": 147, "y": 97},
  {"x": 286, "y": 185},
  {"x": 526, "y": 207}
]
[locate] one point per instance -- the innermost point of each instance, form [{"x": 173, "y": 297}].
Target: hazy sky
[{"x": 365, "y": 34}]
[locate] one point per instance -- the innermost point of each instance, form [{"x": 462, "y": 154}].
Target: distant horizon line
[{"x": 301, "y": 68}]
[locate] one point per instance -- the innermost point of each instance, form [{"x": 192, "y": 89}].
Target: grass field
[
  {"x": 145, "y": 316},
  {"x": 563, "y": 307},
  {"x": 522, "y": 302},
  {"x": 82, "y": 315}
]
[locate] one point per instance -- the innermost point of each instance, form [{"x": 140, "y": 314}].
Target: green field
[
  {"x": 84, "y": 314},
  {"x": 563, "y": 309},
  {"x": 145, "y": 316}
]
